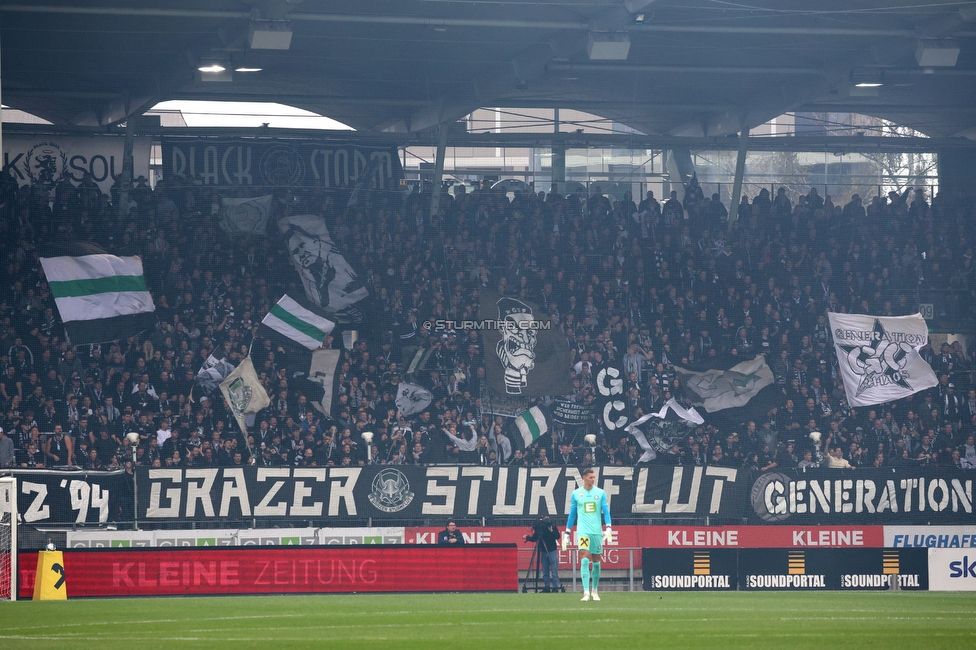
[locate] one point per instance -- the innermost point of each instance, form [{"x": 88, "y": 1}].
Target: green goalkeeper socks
[
  {"x": 585, "y": 573},
  {"x": 596, "y": 575}
]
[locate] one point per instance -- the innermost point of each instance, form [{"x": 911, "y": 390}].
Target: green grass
[{"x": 786, "y": 620}]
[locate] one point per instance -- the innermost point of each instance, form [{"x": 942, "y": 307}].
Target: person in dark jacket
[
  {"x": 450, "y": 536},
  {"x": 546, "y": 536}
]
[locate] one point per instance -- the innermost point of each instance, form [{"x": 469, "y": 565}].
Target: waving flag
[
  {"x": 412, "y": 399},
  {"x": 878, "y": 356},
  {"x": 322, "y": 375},
  {"x": 245, "y": 216},
  {"x": 329, "y": 280},
  {"x": 298, "y": 324},
  {"x": 525, "y": 355},
  {"x": 532, "y": 424},
  {"x": 244, "y": 392},
  {"x": 667, "y": 427},
  {"x": 716, "y": 390},
  {"x": 212, "y": 373},
  {"x": 100, "y": 297}
]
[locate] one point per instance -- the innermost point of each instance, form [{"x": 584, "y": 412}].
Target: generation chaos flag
[
  {"x": 668, "y": 426},
  {"x": 878, "y": 356},
  {"x": 297, "y": 323},
  {"x": 245, "y": 216},
  {"x": 716, "y": 390},
  {"x": 329, "y": 280},
  {"x": 525, "y": 355},
  {"x": 244, "y": 392},
  {"x": 100, "y": 297}
]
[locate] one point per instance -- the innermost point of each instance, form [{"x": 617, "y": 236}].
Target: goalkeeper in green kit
[{"x": 588, "y": 505}]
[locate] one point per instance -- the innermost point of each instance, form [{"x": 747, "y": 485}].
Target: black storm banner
[{"x": 281, "y": 163}]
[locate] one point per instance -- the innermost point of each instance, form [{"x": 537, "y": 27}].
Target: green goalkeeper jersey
[{"x": 589, "y": 510}]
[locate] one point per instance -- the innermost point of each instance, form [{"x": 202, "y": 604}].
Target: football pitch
[{"x": 620, "y": 620}]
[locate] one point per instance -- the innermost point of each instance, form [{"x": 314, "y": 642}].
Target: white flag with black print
[
  {"x": 716, "y": 390},
  {"x": 667, "y": 427},
  {"x": 412, "y": 399},
  {"x": 329, "y": 280},
  {"x": 878, "y": 356},
  {"x": 211, "y": 374}
]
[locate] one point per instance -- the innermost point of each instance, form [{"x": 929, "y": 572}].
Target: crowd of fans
[{"x": 644, "y": 286}]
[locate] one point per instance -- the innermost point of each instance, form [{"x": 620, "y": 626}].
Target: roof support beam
[{"x": 500, "y": 23}]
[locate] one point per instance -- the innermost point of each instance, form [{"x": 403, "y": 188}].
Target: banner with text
[
  {"x": 416, "y": 492},
  {"x": 281, "y": 163},
  {"x": 257, "y": 570},
  {"x": 73, "y": 497},
  {"x": 796, "y": 499},
  {"x": 46, "y": 160}
]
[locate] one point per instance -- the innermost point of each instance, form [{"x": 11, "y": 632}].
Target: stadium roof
[{"x": 694, "y": 67}]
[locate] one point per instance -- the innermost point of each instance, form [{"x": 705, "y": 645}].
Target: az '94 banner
[{"x": 71, "y": 497}]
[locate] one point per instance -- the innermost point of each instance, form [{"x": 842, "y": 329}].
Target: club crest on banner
[
  {"x": 240, "y": 396},
  {"x": 46, "y": 164},
  {"x": 390, "y": 491},
  {"x": 283, "y": 166}
]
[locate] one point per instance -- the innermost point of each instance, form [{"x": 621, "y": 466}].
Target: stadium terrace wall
[{"x": 279, "y": 496}]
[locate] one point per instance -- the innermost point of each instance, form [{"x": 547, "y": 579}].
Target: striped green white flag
[
  {"x": 298, "y": 323},
  {"x": 100, "y": 297},
  {"x": 532, "y": 424}
]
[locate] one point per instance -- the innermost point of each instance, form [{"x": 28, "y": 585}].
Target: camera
[{"x": 543, "y": 523}]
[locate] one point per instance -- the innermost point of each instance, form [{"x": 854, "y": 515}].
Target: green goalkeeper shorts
[{"x": 590, "y": 542}]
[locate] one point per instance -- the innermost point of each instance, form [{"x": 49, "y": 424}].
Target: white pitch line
[{"x": 159, "y": 620}]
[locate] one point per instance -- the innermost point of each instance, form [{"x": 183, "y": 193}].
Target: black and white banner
[
  {"x": 571, "y": 413},
  {"x": 821, "y": 497},
  {"x": 281, "y": 163},
  {"x": 45, "y": 160},
  {"x": 327, "y": 277},
  {"x": 379, "y": 492},
  {"x": 665, "y": 428},
  {"x": 863, "y": 496},
  {"x": 878, "y": 357},
  {"x": 63, "y": 497},
  {"x": 524, "y": 355}
]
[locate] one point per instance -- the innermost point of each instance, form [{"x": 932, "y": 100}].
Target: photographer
[{"x": 546, "y": 536}]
